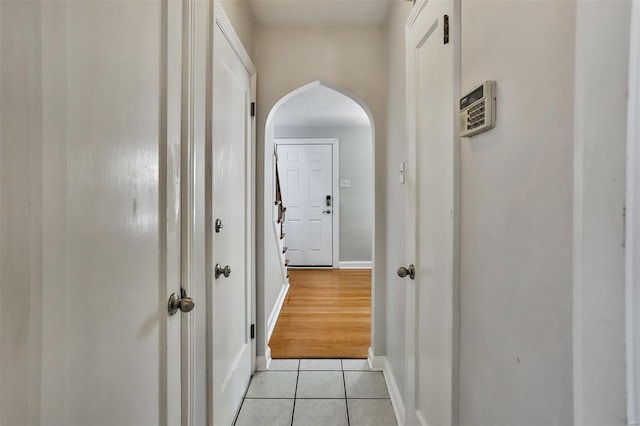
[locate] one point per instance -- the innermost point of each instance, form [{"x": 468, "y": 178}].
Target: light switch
[
  {"x": 402, "y": 172},
  {"x": 345, "y": 183}
]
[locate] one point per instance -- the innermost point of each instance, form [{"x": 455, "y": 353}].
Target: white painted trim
[
  {"x": 394, "y": 393},
  {"x": 376, "y": 363},
  {"x": 188, "y": 208},
  {"x": 358, "y": 264},
  {"x": 632, "y": 225},
  {"x": 335, "y": 187},
  {"x": 275, "y": 313},
  {"x": 415, "y": 12},
  {"x": 311, "y": 268},
  {"x": 230, "y": 34},
  {"x": 264, "y": 362}
]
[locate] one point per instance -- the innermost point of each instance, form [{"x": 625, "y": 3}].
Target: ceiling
[
  {"x": 321, "y": 106},
  {"x": 320, "y": 12}
]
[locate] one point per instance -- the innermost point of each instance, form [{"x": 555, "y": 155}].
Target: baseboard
[
  {"x": 275, "y": 313},
  {"x": 360, "y": 264},
  {"x": 394, "y": 393},
  {"x": 376, "y": 363},
  {"x": 263, "y": 362}
]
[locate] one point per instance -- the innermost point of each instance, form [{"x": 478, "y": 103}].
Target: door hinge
[
  {"x": 253, "y": 331},
  {"x": 253, "y": 109},
  {"x": 446, "y": 29}
]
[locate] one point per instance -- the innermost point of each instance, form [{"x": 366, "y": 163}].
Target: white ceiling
[
  {"x": 321, "y": 106},
  {"x": 320, "y": 12}
]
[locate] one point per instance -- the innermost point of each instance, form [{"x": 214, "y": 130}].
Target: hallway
[
  {"x": 143, "y": 260},
  {"x": 318, "y": 392}
]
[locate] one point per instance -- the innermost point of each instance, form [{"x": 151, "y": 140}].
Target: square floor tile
[
  {"x": 320, "y": 384},
  {"x": 273, "y": 384},
  {"x": 284, "y": 364},
  {"x": 355, "y": 365},
  {"x": 371, "y": 412},
  {"x": 265, "y": 412},
  {"x": 365, "y": 384},
  {"x": 320, "y": 412},
  {"x": 320, "y": 364}
]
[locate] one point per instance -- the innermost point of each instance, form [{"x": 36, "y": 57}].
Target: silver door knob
[
  {"x": 326, "y": 211},
  {"x": 185, "y": 304},
  {"x": 410, "y": 271},
  {"x": 226, "y": 271}
]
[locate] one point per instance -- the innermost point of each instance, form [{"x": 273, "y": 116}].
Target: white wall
[
  {"x": 353, "y": 59},
  {"x": 602, "y": 60},
  {"x": 20, "y": 217},
  {"x": 516, "y": 216},
  {"x": 54, "y": 212},
  {"x": 395, "y": 294},
  {"x": 356, "y": 164}
]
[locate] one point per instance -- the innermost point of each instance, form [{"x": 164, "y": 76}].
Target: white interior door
[
  {"x": 121, "y": 109},
  {"x": 306, "y": 182},
  {"x": 430, "y": 113},
  {"x": 231, "y": 204}
]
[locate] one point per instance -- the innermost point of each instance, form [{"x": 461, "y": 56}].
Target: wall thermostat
[{"x": 478, "y": 110}]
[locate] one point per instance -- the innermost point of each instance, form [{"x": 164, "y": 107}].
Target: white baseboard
[
  {"x": 376, "y": 363},
  {"x": 360, "y": 264},
  {"x": 275, "y": 313},
  {"x": 263, "y": 362},
  {"x": 394, "y": 393}
]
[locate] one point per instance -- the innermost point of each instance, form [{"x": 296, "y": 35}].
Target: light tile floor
[{"x": 317, "y": 392}]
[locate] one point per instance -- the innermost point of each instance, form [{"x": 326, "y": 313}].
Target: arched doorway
[{"x": 320, "y": 114}]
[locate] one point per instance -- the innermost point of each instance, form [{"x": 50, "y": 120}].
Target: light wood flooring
[{"x": 327, "y": 314}]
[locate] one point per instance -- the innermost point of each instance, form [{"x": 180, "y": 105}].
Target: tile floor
[{"x": 317, "y": 392}]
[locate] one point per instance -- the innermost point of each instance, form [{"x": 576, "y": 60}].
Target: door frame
[
  {"x": 632, "y": 225},
  {"x": 335, "y": 186},
  {"x": 411, "y": 121}
]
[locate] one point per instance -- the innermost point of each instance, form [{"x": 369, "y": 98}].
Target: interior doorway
[{"x": 321, "y": 141}]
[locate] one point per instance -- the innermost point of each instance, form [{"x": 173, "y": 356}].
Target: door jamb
[
  {"x": 632, "y": 225},
  {"x": 335, "y": 187}
]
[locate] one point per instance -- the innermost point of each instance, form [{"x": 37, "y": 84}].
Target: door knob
[
  {"x": 184, "y": 303},
  {"x": 326, "y": 211},
  {"x": 403, "y": 272},
  {"x": 226, "y": 271}
]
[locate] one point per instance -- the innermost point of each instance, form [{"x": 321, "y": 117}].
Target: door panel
[
  {"x": 123, "y": 210},
  {"x": 431, "y": 207},
  {"x": 231, "y": 296},
  {"x": 309, "y": 231}
]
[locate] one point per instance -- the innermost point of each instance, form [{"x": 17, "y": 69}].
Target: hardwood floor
[{"x": 327, "y": 314}]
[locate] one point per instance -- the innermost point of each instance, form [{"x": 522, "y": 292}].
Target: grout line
[
  {"x": 346, "y": 402},
  {"x": 244, "y": 398},
  {"x": 270, "y": 397},
  {"x": 295, "y": 394}
]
